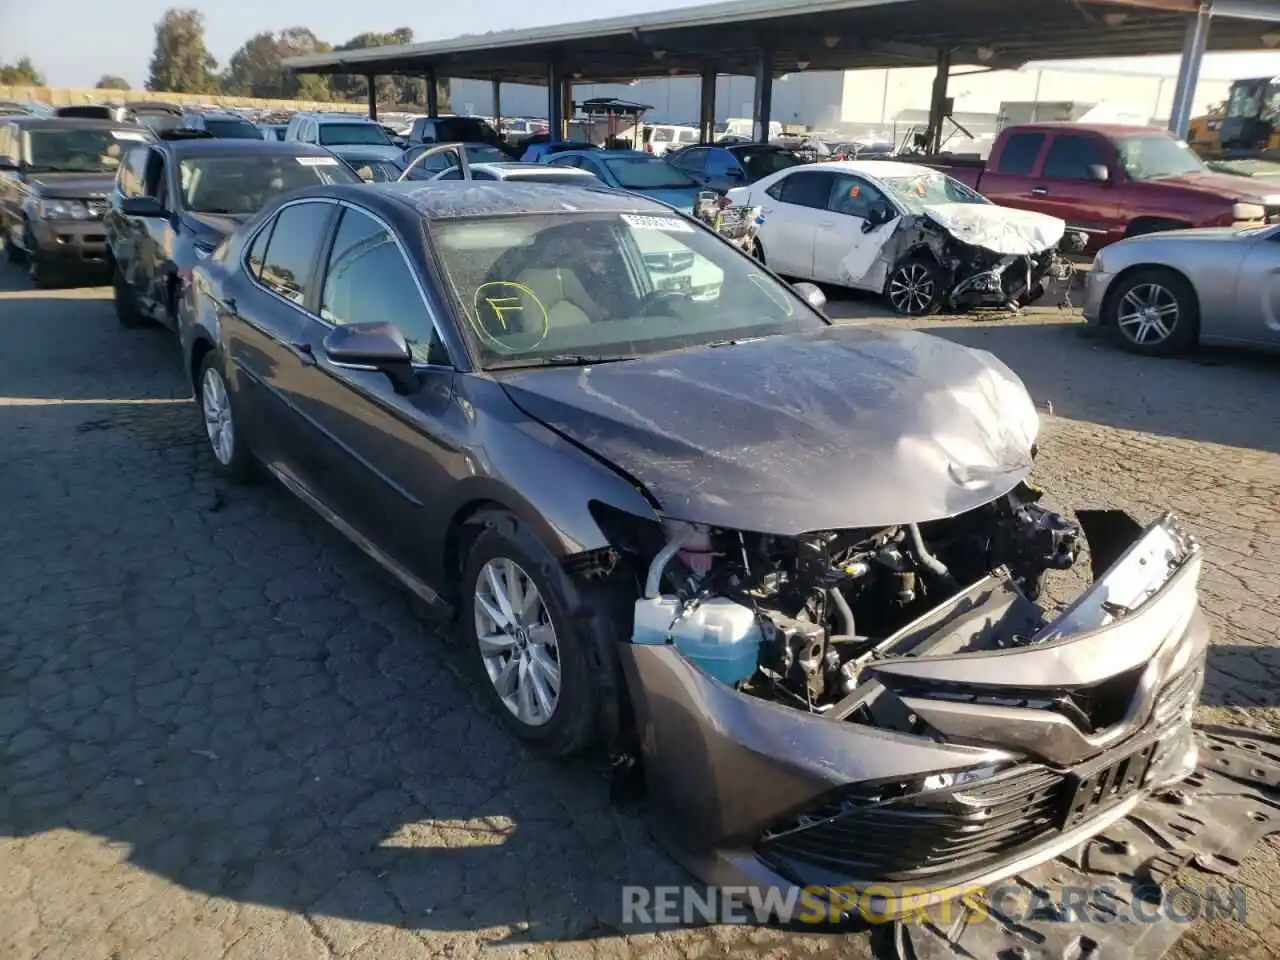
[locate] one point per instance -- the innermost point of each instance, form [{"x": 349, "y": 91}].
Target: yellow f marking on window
[{"x": 501, "y": 306}]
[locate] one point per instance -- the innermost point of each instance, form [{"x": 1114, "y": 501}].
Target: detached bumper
[
  {"x": 69, "y": 242},
  {"x": 1096, "y": 283}
]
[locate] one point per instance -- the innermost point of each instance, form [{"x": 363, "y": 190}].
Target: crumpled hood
[
  {"x": 80, "y": 186},
  {"x": 844, "y": 427},
  {"x": 1001, "y": 230}
]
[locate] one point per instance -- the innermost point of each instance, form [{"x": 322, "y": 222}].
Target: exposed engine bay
[{"x": 825, "y": 606}]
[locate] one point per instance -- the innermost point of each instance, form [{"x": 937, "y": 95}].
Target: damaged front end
[
  {"x": 892, "y": 707},
  {"x": 980, "y": 256}
]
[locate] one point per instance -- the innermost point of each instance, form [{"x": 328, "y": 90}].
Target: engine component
[
  {"x": 1034, "y": 540},
  {"x": 720, "y": 637},
  {"x": 800, "y": 649}
]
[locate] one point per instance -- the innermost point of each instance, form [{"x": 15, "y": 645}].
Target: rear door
[
  {"x": 795, "y": 210},
  {"x": 155, "y": 237},
  {"x": 384, "y": 458},
  {"x": 266, "y": 330},
  {"x": 1065, "y": 188},
  {"x": 1008, "y": 178}
]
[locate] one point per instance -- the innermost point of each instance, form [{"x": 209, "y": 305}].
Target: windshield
[
  {"x": 760, "y": 162},
  {"x": 243, "y": 184},
  {"x": 538, "y": 288},
  {"x": 377, "y": 171},
  {"x": 81, "y": 151},
  {"x": 232, "y": 129},
  {"x": 334, "y": 134},
  {"x": 647, "y": 173},
  {"x": 917, "y": 192},
  {"x": 1150, "y": 158}
]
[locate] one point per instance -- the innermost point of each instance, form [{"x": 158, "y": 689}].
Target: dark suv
[
  {"x": 55, "y": 174},
  {"x": 458, "y": 130},
  {"x": 225, "y": 125}
]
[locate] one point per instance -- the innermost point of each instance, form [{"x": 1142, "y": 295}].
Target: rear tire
[
  {"x": 1153, "y": 311},
  {"x": 915, "y": 287},
  {"x": 214, "y": 401}
]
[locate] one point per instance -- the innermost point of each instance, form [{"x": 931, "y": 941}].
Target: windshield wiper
[
  {"x": 556, "y": 360},
  {"x": 737, "y": 340}
]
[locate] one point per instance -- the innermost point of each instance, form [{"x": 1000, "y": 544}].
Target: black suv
[
  {"x": 55, "y": 174},
  {"x": 226, "y": 125},
  {"x": 175, "y": 200},
  {"x": 458, "y": 130}
]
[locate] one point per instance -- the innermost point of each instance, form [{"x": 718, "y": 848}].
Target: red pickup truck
[{"x": 1112, "y": 181}]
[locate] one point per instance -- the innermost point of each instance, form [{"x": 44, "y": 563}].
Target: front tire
[
  {"x": 529, "y": 650},
  {"x": 915, "y": 287},
  {"x": 231, "y": 456},
  {"x": 1154, "y": 312}
]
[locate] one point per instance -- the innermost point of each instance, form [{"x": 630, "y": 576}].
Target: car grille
[{"x": 948, "y": 834}]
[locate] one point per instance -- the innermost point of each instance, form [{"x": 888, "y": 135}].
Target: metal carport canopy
[{"x": 816, "y": 35}]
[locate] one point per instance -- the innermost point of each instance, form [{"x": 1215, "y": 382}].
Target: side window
[
  {"x": 455, "y": 174},
  {"x": 153, "y": 184},
  {"x": 807, "y": 189},
  {"x": 258, "y": 248},
  {"x": 565, "y": 161},
  {"x": 291, "y": 251},
  {"x": 775, "y": 190},
  {"x": 368, "y": 279},
  {"x": 475, "y": 175},
  {"x": 691, "y": 159},
  {"x": 854, "y": 197},
  {"x": 1020, "y": 152},
  {"x": 132, "y": 177},
  {"x": 1071, "y": 155}
]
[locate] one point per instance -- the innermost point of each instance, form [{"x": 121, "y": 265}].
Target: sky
[{"x": 74, "y": 42}]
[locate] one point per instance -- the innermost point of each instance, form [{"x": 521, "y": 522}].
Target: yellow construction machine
[{"x": 1247, "y": 126}]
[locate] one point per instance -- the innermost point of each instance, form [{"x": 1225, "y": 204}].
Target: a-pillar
[
  {"x": 707, "y": 111},
  {"x": 762, "y": 106},
  {"x": 1184, "y": 92},
  {"x": 433, "y": 93}
]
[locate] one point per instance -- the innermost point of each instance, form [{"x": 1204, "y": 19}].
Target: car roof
[
  {"x": 1116, "y": 130},
  {"x": 878, "y": 168},
  {"x": 35, "y": 121},
  {"x": 533, "y": 170},
  {"x": 214, "y": 146},
  {"x": 450, "y": 199}
]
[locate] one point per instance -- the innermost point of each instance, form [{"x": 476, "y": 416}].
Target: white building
[{"x": 867, "y": 98}]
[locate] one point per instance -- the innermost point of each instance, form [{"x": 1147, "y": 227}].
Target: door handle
[
  {"x": 1039, "y": 191},
  {"x": 304, "y": 353}
]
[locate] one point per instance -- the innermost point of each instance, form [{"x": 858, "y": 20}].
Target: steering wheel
[{"x": 660, "y": 298}]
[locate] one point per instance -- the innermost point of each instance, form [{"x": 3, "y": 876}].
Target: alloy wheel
[
  {"x": 217, "y": 416},
  {"x": 1148, "y": 314},
  {"x": 517, "y": 641},
  {"x": 911, "y": 289}
]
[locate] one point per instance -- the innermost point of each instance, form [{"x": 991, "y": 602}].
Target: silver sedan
[{"x": 1163, "y": 293}]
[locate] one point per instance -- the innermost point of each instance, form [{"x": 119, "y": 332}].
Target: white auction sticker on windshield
[
  {"x": 665, "y": 224},
  {"x": 317, "y": 161},
  {"x": 129, "y": 135}
]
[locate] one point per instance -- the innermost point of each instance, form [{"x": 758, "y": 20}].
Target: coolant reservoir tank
[{"x": 720, "y": 637}]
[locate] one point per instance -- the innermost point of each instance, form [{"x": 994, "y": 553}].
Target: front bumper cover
[
  {"x": 69, "y": 242},
  {"x": 749, "y": 793},
  {"x": 1084, "y": 902}
]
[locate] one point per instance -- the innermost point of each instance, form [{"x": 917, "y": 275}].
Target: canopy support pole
[
  {"x": 372, "y": 81},
  {"x": 433, "y": 94},
  {"x": 1184, "y": 92},
  {"x": 762, "y": 106},
  {"x": 707, "y": 111}
]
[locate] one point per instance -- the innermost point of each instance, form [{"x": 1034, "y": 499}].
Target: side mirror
[
  {"x": 812, "y": 295},
  {"x": 141, "y": 207},
  {"x": 1099, "y": 172},
  {"x": 374, "y": 346},
  {"x": 876, "y": 217}
]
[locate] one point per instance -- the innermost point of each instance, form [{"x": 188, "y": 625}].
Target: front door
[
  {"x": 384, "y": 457},
  {"x": 847, "y": 248},
  {"x": 1066, "y": 189},
  {"x": 1256, "y": 318}
]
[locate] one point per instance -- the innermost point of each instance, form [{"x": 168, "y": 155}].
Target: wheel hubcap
[
  {"x": 517, "y": 641},
  {"x": 1148, "y": 313},
  {"x": 911, "y": 289},
  {"x": 217, "y": 416}
]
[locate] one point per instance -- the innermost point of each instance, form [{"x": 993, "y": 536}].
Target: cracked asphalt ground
[{"x": 225, "y": 733}]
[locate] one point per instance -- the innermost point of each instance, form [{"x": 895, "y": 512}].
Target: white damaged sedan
[{"x": 921, "y": 238}]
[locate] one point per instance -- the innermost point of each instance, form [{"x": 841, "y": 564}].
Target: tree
[
  {"x": 112, "y": 82},
  {"x": 390, "y": 89},
  {"x": 21, "y": 74},
  {"x": 181, "y": 62},
  {"x": 255, "y": 70}
]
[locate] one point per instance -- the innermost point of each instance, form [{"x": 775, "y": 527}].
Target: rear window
[
  {"x": 1020, "y": 152},
  {"x": 233, "y": 129},
  {"x": 334, "y": 134},
  {"x": 463, "y": 129}
]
